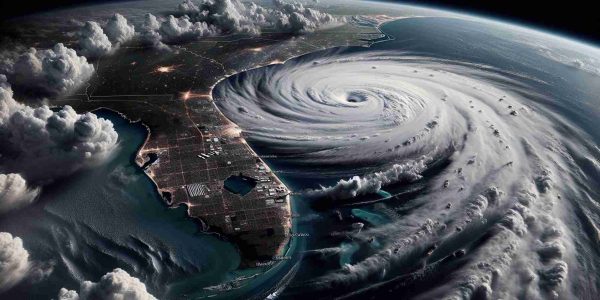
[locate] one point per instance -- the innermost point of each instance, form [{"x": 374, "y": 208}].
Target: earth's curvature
[{"x": 428, "y": 155}]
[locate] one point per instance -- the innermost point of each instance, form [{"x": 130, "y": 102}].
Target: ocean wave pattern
[{"x": 511, "y": 214}]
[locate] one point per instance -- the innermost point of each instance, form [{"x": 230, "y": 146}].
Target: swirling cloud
[{"x": 494, "y": 154}]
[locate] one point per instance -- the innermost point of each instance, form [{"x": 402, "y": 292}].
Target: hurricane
[{"x": 499, "y": 198}]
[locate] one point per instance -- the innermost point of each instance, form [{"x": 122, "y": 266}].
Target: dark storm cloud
[{"x": 115, "y": 285}]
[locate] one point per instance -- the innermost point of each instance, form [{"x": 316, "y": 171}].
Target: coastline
[{"x": 287, "y": 246}]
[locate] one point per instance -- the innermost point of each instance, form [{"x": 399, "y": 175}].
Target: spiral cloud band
[{"x": 503, "y": 205}]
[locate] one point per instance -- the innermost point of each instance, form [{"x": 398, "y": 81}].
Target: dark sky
[{"x": 576, "y": 18}]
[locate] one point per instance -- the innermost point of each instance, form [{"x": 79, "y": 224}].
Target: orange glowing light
[
  {"x": 257, "y": 49},
  {"x": 189, "y": 95},
  {"x": 164, "y": 69}
]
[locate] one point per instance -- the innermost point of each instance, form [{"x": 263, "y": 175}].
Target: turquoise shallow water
[{"x": 370, "y": 217}]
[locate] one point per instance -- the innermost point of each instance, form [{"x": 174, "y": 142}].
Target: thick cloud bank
[
  {"x": 212, "y": 17},
  {"x": 491, "y": 220},
  {"x": 115, "y": 285},
  {"x": 14, "y": 261},
  {"x": 96, "y": 40},
  {"x": 38, "y": 74},
  {"x": 41, "y": 145},
  {"x": 372, "y": 183}
]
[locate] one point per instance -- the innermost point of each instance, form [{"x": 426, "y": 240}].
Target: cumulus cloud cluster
[
  {"x": 37, "y": 74},
  {"x": 96, "y": 40},
  {"x": 212, "y": 17},
  {"x": 294, "y": 17},
  {"x": 40, "y": 144},
  {"x": 118, "y": 29},
  {"x": 14, "y": 261},
  {"x": 115, "y": 285},
  {"x": 93, "y": 41}
]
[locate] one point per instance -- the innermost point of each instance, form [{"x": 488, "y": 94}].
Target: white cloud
[
  {"x": 14, "y": 192},
  {"x": 232, "y": 16},
  {"x": 93, "y": 41},
  {"x": 182, "y": 29},
  {"x": 115, "y": 285},
  {"x": 96, "y": 40},
  {"x": 294, "y": 17},
  {"x": 65, "y": 294},
  {"x": 37, "y": 74},
  {"x": 156, "y": 32},
  {"x": 118, "y": 29},
  {"x": 14, "y": 261},
  {"x": 41, "y": 144},
  {"x": 149, "y": 31},
  {"x": 371, "y": 183},
  {"x": 187, "y": 6}
]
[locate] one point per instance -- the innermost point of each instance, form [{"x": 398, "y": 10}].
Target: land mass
[{"x": 192, "y": 148}]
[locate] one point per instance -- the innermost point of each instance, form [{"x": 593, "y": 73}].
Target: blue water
[
  {"x": 348, "y": 250},
  {"x": 112, "y": 217},
  {"x": 239, "y": 184}
]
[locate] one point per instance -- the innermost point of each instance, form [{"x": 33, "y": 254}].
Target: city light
[{"x": 165, "y": 69}]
